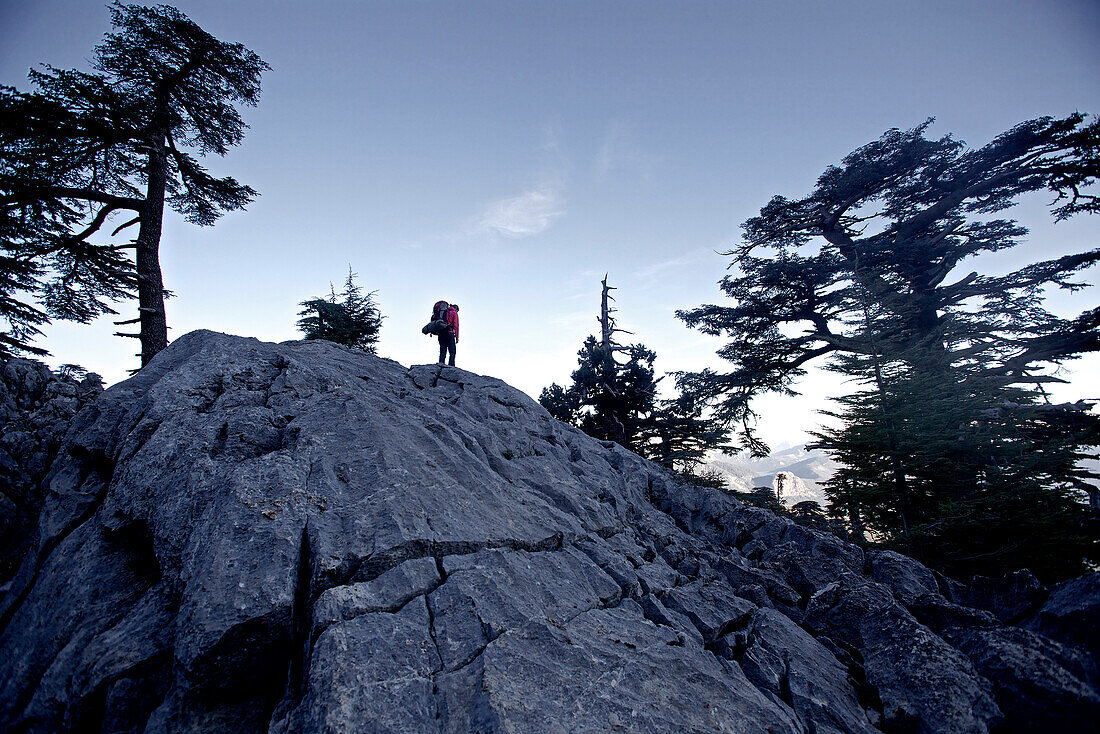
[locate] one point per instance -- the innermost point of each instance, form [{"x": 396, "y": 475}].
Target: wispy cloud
[
  {"x": 657, "y": 268},
  {"x": 528, "y": 214},
  {"x": 688, "y": 258}
]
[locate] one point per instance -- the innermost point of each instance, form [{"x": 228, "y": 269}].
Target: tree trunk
[
  {"x": 606, "y": 327},
  {"x": 901, "y": 485},
  {"x": 154, "y": 326}
]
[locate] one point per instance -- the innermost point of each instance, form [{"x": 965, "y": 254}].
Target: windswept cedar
[
  {"x": 125, "y": 141},
  {"x": 349, "y": 318},
  {"x": 950, "y": 446}
]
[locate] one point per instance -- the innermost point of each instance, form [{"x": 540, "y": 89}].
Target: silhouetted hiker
[{"x": 448, "y": 338}]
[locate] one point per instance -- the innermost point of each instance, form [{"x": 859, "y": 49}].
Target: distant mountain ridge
[{"x": 806, "y": 472}]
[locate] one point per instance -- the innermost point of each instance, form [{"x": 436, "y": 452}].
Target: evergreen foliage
[
  {"x": 606, "y": 399},
  {"x": 84, "y": 147},
  {"x": 704, "y": 477},
  {"x": 950, "y": 449},
  {"x": 617, "y": 401},
  {"x": 350, "y": 318},
  {"x": 811, "y": 514},
  {"x": 763, "y": 497}
]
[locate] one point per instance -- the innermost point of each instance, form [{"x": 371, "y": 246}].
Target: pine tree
[
  {"x": 85, "y": 146},
  {"x": 617, "y": 401},
  {"x": 950, "y": 447},
  {"x": 350, "y": 318},
  {"x": 607, "y": 399}
]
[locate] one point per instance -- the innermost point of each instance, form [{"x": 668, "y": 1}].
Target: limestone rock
[
  {"x": 908, "y": 579},
  {"x": 1011, "y": 597},
  {"x": 36, "y": 407},
  {"x": 300, "y": 537},
  {"x": 923, "y": 682},
  {"x": 1071, "y": 614},
  {"x": 1032, "y": 676}
]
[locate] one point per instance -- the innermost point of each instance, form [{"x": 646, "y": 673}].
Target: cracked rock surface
[
  {"x": 299, "y": 537},
  {"x": 36, "y": 407}
]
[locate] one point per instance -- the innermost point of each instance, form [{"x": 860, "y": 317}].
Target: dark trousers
[{"x": 447, "y": 345}]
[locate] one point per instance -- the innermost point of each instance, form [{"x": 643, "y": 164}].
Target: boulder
[
  {"x": 1037, "y": 680},
  {"x": 908, "y": 579},
  {"x": 1011, "y": 598},
  {"x": 1071, "y": 614},
  {"x": 924, "y": 684}
]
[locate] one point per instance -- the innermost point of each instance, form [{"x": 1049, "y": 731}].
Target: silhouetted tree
[
  {"x": 350, "y": 318},
  {"x": 763, "y": 497},
  {"x": 682, "y": 433},
  {"x": 704, "y": 477},
  {"x": 606, "y": 399},
  {"x": 810, "y": 514},
  {"x": 951, "y": 446},
  {"x": 617, "y": 401},
  {"x": 85, "y": 146}
]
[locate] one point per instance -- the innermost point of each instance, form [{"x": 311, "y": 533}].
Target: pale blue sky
[{"x": 505, "y": 155}]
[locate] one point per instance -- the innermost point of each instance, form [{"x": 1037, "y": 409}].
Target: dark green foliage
[
  {"x": 350, "y": 318},
  {"x": 949, "y": 448},
  {"x": 617, "y": 401},
  {"x": 48, "y": 269},
  {"x": 704, "y": 477},
  {"x": 85, "y": 147},
  {"x": 608, "y": 400},
  {"x": 681, "y": 434},
  {"x": 812, "y": 515},
  {"x": 71, "y": 372},
  {"x": 565, "y": 405},
  {"x": 763, "y": 497}
]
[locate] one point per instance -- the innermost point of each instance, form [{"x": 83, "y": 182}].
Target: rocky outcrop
[
  {"x": 36, "y": 407},
  {"x": 1071, "y": 614},
  {"x": 300, "y": 537}
]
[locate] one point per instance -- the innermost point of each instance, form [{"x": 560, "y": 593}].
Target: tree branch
[
  {"x": 66, "y": 192},
  {"x": 121, "y": 227}
]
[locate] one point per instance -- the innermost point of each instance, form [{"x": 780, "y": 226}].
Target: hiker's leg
[
  {"x": 442, "y": 348},
  {"x": 452, "y": 345}
]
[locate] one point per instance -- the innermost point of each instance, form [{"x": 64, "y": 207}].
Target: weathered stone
[
  {"x": 1039, "y": 682},
  {"x": 784, "y": 659},
  {"x": 1011, "y": 597},
  {"x": 36, "y": 408},
  {"x": 1071, "y": 614},
  {"x": 387, "y": 593},
  {"x": 711, "y": 606},
  {"x": 374, "y": 673},
  {"x": 923, "y": 682},
  {"x": 491, "y": 592},
  {"x": 907, "y": 578},
  {"x": 938, "y": 614},
  {"x": 302, "y": 537},
  {"x": 628, "y": 662}
]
